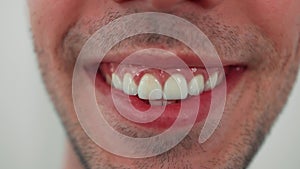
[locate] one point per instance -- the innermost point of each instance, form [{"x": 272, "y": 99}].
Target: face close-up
[{"x": 258, "y": 44}]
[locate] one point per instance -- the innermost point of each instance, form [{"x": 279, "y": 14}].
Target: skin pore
[{"x": 263, "y": 35}]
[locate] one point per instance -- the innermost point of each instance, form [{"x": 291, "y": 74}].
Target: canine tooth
[
  {"x": 196, "y": 85},
  {"x": 175, "y": 88},
  {"x": 211, "y": 81},
  {"x": 149, "y": 88},
  {"x": 129, "y": 86},
  {"x": 116, "y": 82}
]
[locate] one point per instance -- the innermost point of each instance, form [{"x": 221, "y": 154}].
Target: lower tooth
[{"x": 160, "y": 102}]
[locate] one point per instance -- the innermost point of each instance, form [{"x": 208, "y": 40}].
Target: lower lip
[{"x": 171, "y": 111}]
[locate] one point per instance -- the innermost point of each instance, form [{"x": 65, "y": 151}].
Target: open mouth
[
  {"x": 140, "y": 88},
  {"x": 159, "y": 87}
]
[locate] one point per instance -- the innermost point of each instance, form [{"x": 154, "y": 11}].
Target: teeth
[
  {"x": 196, "y": 85},
  {"x": 108, "y": 79},
  {"x": 116, "y": 82},
  {"x": 149, "y": 88},
  {"x": 175, "y": 88},
  {"x": 211, "y": 82},
  {"x": 129, "y": 86},
  {"x": 221, "y": 77},
  {"x": 159, "y": 102}
]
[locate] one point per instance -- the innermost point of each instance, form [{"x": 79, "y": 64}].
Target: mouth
[{"x": 142, "y": 87}]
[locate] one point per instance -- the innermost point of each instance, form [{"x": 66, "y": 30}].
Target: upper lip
[
  {"x": 189, "y": 58},
  {"x": 228, "y": 55}
]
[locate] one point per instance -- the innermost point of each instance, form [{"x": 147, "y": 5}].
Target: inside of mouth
[
  {"x": 160, "y": 102},
  {"x": 128, "y": 78}
]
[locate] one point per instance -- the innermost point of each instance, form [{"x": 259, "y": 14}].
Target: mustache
[{"x": 244, "y": 45}]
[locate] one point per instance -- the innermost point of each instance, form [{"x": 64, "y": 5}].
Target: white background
[{"x": 31, "y": 136}]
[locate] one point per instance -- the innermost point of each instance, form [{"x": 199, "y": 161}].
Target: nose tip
[{"x": 164, "y": 3}]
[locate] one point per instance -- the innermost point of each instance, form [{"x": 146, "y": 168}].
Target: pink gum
[{"x": 162, "y": 75}]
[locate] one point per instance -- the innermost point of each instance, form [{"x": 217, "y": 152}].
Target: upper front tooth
[
  {"x": 129, "y": 86},
  {"x": 175, "y": 88},
  {"x": 116, "y": 81},
  {"x": 196, "y": 85},
  {"x": 149, "y": 88},
  {"x": 211, "y": 82}
]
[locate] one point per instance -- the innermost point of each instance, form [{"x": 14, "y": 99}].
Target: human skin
[{"x": 262, "y": 35}]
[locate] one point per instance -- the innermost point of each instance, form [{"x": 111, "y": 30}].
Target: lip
[
  {"x": 171, "y": 111},
  {"x": 185, "y": 55}
]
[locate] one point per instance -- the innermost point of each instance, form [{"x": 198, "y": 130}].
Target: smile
[
  {"x": 138, "y": 85},
  {"x": 159, "y": 86}
]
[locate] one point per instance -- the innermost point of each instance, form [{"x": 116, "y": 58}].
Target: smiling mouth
[
  {"x": 161, "y": 87},
  {"x": 148, "y": 88}
]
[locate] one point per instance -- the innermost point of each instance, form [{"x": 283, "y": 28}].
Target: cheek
[
  {"x": 51, "y": 18},
  {"x": 277, "y": 19}
]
